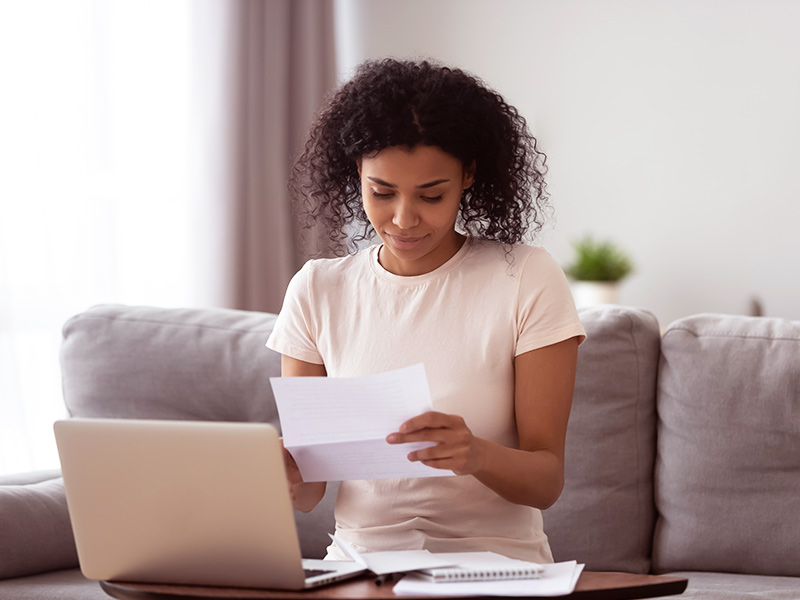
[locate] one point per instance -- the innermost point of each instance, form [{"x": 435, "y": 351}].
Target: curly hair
[{"x": 406, "y": 103}]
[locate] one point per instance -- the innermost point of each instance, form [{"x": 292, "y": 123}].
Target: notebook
[
  {"x": 443, "y": 567},
  {"x": 182, "y": 502},
  {"x": 483, "y": 566}
]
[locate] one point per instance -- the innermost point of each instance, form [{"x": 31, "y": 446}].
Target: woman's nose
[{"x": 405, "y": 215}]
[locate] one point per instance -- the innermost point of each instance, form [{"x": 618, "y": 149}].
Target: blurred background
[{"x": 145, "y": 147}]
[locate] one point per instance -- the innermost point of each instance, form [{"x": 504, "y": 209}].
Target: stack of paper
[{"x": 557, "y": 579}]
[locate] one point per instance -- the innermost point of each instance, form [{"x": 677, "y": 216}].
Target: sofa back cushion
[
  {"x": 605, "y": 514},
  {"x": 728, "y": 464},
  {"x": 166, "y": 363}
]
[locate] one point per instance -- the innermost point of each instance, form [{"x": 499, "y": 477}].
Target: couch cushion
[
  {"x": 730, "y": 586},
  {"x": 67, "y": 584},
  {"x": 35, "y": 531},
  {"x": 728, "y": 465},
  {"x": 161, "y": 363},
  {"x": 605, "y": 514}
]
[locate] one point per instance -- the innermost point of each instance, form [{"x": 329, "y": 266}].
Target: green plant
[{"x": 598, "y": 261}]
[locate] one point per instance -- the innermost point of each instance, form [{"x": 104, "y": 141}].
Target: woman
[{"x": 447, "y": 175}]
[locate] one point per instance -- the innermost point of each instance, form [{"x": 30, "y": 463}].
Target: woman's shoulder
[
  {"x": 336, "y": 266},
  {"x": 512, "y": 257}
]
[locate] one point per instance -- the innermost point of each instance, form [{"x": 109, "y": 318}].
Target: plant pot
[{"x": 592, "y": 293}]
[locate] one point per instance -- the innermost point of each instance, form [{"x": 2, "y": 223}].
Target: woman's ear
[
  {"x": 469, "y": 175},
  {"x": 358, "y": 166}
]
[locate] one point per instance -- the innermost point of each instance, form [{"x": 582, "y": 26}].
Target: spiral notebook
[
  {"x": 482, "y": 566},
  {"x": 556, "y": 579}
]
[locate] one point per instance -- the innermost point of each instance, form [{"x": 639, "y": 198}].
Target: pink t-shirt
[{"x": 465, "y": 321}]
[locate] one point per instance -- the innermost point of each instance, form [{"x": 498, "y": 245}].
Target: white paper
[
  {"x": 558, "y": 579},
  {"x": 398, "y": 561},
  {"x": 336, "y": 428},
  {"x": 348, "y": 550}
]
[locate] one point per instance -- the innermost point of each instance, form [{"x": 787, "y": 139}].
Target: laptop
[{"x": 184, "y": 502}]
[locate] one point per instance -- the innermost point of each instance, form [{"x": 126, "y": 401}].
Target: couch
[{"x": 683, "y": 448}]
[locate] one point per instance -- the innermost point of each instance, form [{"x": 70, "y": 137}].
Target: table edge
[{"x": 655, "y": 586}]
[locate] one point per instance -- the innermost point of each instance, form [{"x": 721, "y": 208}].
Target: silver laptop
[{"x": 183, "y": 502}]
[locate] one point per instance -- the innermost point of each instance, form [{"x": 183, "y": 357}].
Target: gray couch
[{"x": 683, "y": 450}]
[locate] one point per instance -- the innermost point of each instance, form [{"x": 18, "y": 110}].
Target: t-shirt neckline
[{"x": 440, "y": 271}]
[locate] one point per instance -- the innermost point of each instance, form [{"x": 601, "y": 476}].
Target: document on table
[
  {"x": 558, "y": 579},
  {"x": 393, "y": 561},
  {"x": 336, "y": 427}
]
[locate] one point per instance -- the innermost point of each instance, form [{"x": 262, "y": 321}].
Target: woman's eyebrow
[
  {"x": 419, "y": 187},
  {"x": 381, "y": 182},
  {"x": 432, "y": 183}
]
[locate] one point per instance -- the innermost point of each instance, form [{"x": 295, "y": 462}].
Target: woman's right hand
[
  {"x": 292, "y": 474},
  {"x": 304, "y": 495}
]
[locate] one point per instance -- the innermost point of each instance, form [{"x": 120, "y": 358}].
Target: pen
[{"x": 387, "y": 578}]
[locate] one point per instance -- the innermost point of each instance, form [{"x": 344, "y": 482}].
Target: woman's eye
[
  {"x": 379, "y": 195},
  {"x": 433, "y": 198}
]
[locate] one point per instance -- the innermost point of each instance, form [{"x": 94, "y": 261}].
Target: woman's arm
[
  {"x": 532, "y": 475},
  {"x": 305, "y": 495}
]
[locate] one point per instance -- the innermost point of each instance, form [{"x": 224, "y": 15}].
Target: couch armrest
[{"x": 35, "y": 530}]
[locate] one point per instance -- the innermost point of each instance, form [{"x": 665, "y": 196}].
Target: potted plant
[{"x": 598, "y": 268}]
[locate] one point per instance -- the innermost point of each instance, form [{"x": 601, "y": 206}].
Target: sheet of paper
[
  {"x": 399, "y": 561},
  {"x": 336, "y": 428},
  {"x": 557, "y": 579}
]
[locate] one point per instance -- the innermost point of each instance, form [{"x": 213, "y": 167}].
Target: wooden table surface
[{"x": 592, "y": 585}]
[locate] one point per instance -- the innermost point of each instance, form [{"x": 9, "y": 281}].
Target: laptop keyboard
[{"x": 315, "y": 572}]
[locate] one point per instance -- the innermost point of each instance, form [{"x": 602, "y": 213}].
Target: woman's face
[{"x": 412, "y": 197}]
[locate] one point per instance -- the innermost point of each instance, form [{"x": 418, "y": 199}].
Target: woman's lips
[{"x": 405, "y": 243}]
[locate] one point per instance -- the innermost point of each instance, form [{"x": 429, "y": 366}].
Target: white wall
[{"x": 672, "y": 127}]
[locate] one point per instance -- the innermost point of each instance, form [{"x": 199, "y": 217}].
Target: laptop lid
[{"x": 182, "y": 502}]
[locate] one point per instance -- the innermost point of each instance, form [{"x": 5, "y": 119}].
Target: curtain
[{"x": 285, "y": 64}]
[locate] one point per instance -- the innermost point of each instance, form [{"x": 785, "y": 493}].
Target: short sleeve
[
  {"x": 295, "y": 332},
  {"x": 546, "y": 312}
]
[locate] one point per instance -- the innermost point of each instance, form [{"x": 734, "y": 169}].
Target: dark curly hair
[{"x": 406, "y": 103}]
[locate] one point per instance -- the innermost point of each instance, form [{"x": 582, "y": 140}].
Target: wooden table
[{"x": 592, "y": 585}]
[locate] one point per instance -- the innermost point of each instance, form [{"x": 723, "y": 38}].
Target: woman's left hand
[{"x": 456, "y": 448}]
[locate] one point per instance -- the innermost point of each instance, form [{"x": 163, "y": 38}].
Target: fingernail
[{"x": 392, "y": 437}]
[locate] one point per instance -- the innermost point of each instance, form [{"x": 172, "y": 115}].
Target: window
[{"x": 97, "y": 202}]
